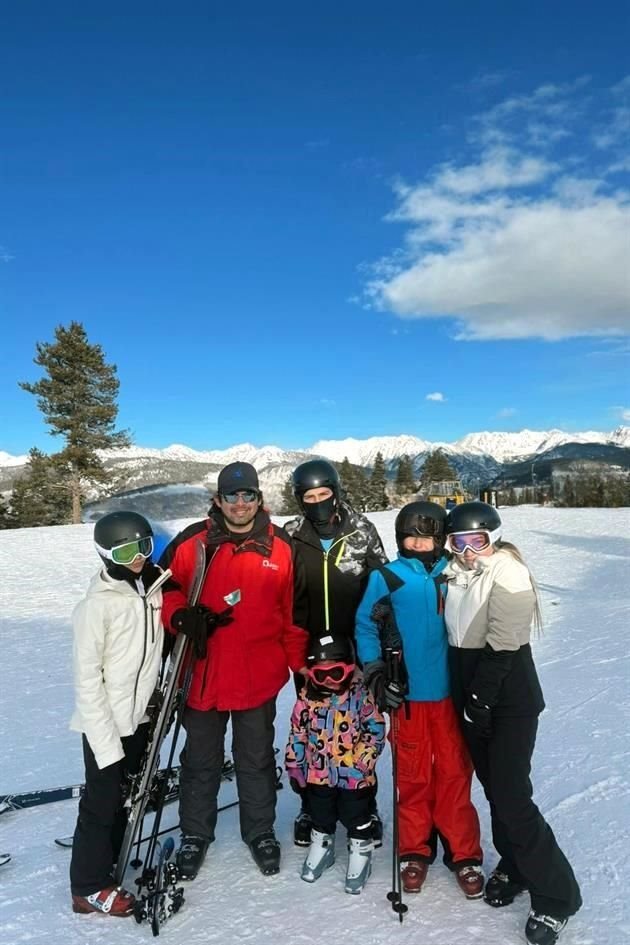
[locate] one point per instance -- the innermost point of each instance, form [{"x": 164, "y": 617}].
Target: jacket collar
[
  {"x": 259, "y": 539},
  {"x": 419, "y": 568},
  {"x": 348, "y": 523}
]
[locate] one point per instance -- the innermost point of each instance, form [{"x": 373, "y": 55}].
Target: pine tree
[
  {"x": 42, "y": 494},
  {"x": 436, "y": 469},
  {"x": 290, "y": 505},
  {"x": 376, "y": 491},
  {"x": 354, "y": 484},
  {"x": 405, "y": 483},
  {"x": 78, "y": 399}
]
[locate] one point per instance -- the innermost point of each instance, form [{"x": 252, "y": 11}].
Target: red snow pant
[{"x": 434, "y": 778}]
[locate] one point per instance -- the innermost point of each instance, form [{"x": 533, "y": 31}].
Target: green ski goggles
[{"x": 128, "y": 552}]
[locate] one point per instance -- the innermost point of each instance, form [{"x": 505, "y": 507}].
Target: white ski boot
[
  {"x": 359, "y": 864},
  {"x": 320, "y": 856}
]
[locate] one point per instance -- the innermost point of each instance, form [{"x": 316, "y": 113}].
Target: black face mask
[
  {"x": 321, "y": 513},
  {"x": 427, "y": 558}
]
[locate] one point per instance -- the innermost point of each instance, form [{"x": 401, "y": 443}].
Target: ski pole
[{"x": 392, "y": 662}]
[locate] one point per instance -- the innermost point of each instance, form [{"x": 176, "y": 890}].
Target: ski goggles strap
[
  {"x": 475, "y": 541},
  {"x": 128, "y": 551}
]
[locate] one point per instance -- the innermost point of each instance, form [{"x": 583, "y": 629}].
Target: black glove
[
  {"x": 387, "y": 695},
  {"x": 479, "y": 715},
  {"x": 198, "y": 623}
]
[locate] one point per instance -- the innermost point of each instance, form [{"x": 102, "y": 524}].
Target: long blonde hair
[{"x": 512, "y": 550}]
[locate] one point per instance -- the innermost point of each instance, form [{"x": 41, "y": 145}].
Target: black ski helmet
[
  {"x": 421, "y": 519},
  {"x": 118, "y": 528},
  {"x": 327, "y": 647},
  {"x": 473, "y": 516},
  {"x": 315, "y": 474}
]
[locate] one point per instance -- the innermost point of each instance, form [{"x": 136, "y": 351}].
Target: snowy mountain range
[
  {"x": 503, "y": 447},
  {"x": 176, "y": 481}
]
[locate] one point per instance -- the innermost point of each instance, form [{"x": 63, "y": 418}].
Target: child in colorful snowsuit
[
  {"x": 402, "y": 611},
  {"x": 118, "y": 638},
  {"x": 337, "y": 733}
]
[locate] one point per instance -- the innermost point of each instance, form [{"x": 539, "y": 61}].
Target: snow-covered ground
[{"x": 581, "y": 765}]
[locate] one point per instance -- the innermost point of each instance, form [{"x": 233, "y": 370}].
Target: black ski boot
[
  {"x": 302, "y": 826},
  {"x": 543, "y": 929},
  {"x": 190, "y": 856},
  {"x": 265, "y": 850},
  {"x": 501, "y": 890}
]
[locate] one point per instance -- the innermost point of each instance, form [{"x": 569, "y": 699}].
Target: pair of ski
[
  {"x": 172, "y": 794},
  {"x": 158, "y": 896},
  {"x": 26, "y": 799}
]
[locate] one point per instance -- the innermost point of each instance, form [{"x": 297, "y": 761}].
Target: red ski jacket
[{"x": 247, "y": 661}]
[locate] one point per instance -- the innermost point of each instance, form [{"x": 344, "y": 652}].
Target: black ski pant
[
  {"x": 102, "y": 818},
  {"x": 529, "y": 852},
  {"x": 254, "y": 766},
  {"x": 329, "y": 805}
]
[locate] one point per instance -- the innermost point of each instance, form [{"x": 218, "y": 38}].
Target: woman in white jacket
[
  {"x": 118, "y": 638},
  {"x": 491, "y": 603}
]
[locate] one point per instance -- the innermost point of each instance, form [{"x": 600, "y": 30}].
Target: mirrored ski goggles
[
  {"x": 476, "y": 541},
  {"x": 247, "y": 495},
  {"x": 127, "y": 553},
  {"x": 336, "y": 673},
  {"x": 424, "y": 527}
]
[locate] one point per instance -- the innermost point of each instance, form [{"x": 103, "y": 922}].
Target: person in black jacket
[
  {"x": 337, "y": 548},
  {"x": 490, "y": 605}
]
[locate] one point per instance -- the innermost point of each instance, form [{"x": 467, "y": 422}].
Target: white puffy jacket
[{"x": 118, "y": 637}]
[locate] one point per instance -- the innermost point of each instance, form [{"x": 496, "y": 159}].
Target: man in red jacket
[{"x": 245, "y": 642}]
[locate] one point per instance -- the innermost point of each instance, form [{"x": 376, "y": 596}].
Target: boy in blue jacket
[{"x": 402, "y": 610}]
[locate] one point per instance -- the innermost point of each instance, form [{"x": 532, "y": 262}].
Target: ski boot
[
  {"x": 190, "y": 856},
  {"x": 359, "y": 864},
  {"x": 413, "y": 874},
  {"x": 265, "y": 851},
  {"x": 501, "y": 890},
  {"x": 543, "y": 929},
  {"x": 470, "y": 881},
  {"x": 320, "y": 857},
  {"x": 302, "y": 826},
  {"x": 113, "y": 900}
]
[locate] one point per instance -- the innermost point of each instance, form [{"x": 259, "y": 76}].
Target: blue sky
[{"x": 286, "y": 222}]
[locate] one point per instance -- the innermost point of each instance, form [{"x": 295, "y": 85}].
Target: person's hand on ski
[
  {"x": 388, "y": 695},
  {"x": 479, "y": 715},
  {"x": 198, "y": 623}
]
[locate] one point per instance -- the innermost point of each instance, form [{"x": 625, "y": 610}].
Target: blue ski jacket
[{"x": 418, "y": 606}]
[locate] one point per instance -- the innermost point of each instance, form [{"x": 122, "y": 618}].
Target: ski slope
[{"x": 581, "y": 765}]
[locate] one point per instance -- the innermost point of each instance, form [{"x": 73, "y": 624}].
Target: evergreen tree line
[
  {"x": 583, "y": 490},
  {"x": 371, "y": 491}
]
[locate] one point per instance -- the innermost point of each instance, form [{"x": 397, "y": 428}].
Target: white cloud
[
  {"x": 437, "y": 396},
  {"x": 514, "y": 244},
  {"x": 623, "y": 413},
  {"x": 507, "y": 412},
  {"x": 326, "y": 402}
]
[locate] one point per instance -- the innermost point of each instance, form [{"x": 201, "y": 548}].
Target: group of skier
[{"x": 437, "y": 639}]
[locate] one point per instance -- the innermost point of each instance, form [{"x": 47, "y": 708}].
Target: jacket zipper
[
  {"x": 144, "y": 653},
  {"x": 340, "y": 541}
]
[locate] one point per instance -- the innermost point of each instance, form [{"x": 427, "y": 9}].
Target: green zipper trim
[{"x": 342, "y": 542}]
